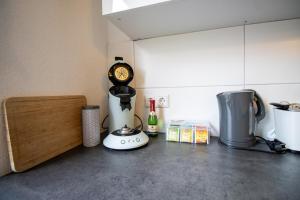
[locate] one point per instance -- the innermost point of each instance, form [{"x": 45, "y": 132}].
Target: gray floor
[{"x": 162, "y": 170}]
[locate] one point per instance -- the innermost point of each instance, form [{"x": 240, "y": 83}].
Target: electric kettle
[{"x": 239, "y": 111}]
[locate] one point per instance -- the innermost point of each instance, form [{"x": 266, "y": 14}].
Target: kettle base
[{"x": 244, "y": 144}]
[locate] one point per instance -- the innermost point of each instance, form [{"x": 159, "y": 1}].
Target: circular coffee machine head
[{"x": 120, "y": 74}]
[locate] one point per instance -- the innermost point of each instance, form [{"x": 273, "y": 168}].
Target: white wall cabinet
[
  {"x": 153, "y": 18},
  {"x": 114, "y": 6}
]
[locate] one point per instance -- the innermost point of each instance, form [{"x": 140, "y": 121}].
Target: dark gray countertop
[{"x": 162, "y": 170}]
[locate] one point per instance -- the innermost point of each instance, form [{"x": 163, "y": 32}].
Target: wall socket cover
[{"x": 160, "y": 101}]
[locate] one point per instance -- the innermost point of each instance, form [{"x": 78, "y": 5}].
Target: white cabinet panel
[
  {"x": 113, "y": 6},
  {"x": 273, "y": 52},
  {"x": 197, "y": 59},
  {"x": 186, "y": 16}
]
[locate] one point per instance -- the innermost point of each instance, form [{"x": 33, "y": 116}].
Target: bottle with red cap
[{"x": 152, "y": 119}]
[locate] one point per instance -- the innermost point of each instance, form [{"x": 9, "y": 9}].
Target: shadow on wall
[
  {"x": 99, "y": 34},
  {"x": 98, "y": 21},
  {"x": 141, "y": 109}
]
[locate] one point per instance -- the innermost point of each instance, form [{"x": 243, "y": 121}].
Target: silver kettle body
[{"x": 239, "y": 111}]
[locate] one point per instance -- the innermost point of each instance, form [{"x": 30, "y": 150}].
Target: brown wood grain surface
[{"x": 40, "y": 128}]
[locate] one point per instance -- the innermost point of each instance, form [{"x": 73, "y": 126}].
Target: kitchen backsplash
[{"x": 192, "y": 68}]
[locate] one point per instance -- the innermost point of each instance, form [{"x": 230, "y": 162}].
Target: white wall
[
  {"x": 51, "y": 47},
  {"x": 206, "y": 58},
  {"x": 192, "y": 68}
]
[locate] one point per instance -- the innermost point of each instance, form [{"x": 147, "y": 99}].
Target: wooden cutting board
[{"x": 40, "y": 128}]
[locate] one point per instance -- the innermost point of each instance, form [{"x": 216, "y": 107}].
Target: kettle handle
[
  {"x": 252, "y": 119},
  {"x": 261, "y": 111}
]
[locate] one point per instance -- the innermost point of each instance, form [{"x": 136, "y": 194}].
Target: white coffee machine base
[{"x": 125, "y": 142}]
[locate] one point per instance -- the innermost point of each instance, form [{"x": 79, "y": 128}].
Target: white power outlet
[{"x": 160, "y": 101}]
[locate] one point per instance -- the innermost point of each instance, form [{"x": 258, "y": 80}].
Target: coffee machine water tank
[
  {"x": 240, "y": 111},
  {"x": 121, "y": 107}
]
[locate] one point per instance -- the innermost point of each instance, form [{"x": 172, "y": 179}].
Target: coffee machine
[
  {"x": 240, "y": 111},
  {"x": 121, "y": 104}
]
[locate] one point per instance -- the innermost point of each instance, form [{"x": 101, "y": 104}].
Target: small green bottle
[{"x": 152, "y": 119}]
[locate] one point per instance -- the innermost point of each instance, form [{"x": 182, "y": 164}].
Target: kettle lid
[{"x": 235, "y": 92}]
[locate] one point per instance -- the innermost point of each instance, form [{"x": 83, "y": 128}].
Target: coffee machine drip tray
[{"x": 123, "y": 139}]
